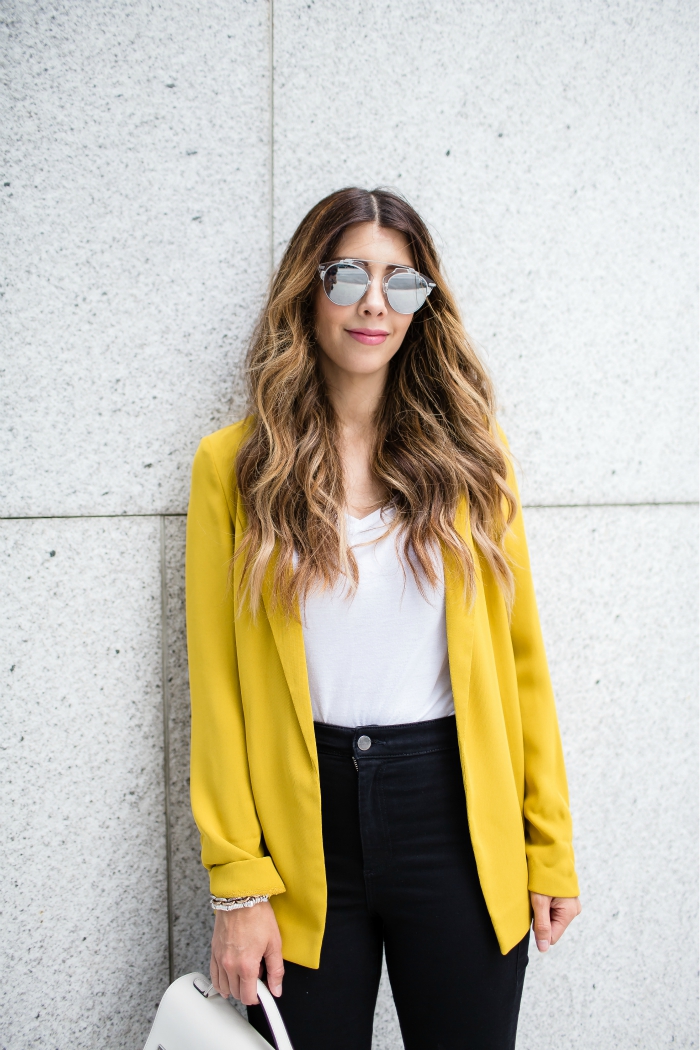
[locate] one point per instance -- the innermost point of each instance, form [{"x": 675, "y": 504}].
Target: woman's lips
[{"x": 369, "y": 336}]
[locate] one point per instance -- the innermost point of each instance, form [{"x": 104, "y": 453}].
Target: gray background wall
[{"x": 156, "y": 157}]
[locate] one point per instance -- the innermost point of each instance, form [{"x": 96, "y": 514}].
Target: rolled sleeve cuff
[
  {"x": 245, "y": 878},
  {"x": 552, "y": 881}
]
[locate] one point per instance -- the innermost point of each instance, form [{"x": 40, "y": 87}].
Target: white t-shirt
[{"x": 380, "y": 656}]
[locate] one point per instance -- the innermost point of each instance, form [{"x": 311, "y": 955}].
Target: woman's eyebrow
[
  {"x": 366, "y": 262},
  {"x": 382, "y": 262}
]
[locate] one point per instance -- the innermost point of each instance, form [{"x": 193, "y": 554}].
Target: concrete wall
[{"x": 156, "y": 157}]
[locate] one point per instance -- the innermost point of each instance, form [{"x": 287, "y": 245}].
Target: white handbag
[{"x": 192, "y": 1016}]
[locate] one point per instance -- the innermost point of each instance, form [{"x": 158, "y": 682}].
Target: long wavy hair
[{"x": 436, "y": 435}]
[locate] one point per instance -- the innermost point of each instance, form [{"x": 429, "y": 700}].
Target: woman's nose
[{"x": 373, "y": 301}]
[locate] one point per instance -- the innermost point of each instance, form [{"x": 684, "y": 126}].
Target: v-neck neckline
[{"x": 368, "y": 517}]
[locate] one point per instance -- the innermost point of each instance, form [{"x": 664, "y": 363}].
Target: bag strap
[
  {"x": 274, "y": 1018},
  {"x": 279, "y": 1033}
]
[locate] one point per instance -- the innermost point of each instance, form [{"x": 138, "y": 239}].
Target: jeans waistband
[{"x": 413, "y": 738}]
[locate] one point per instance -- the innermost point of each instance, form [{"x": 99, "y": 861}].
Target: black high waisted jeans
[{"x": 401, "y": 874}]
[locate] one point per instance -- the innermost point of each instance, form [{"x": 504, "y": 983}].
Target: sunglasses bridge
[{"x": 346, "y": 281}]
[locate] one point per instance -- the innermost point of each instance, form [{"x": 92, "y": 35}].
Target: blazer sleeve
[
  {"x": 548, "y": 826},
  {"x": 222, "y": 797}
]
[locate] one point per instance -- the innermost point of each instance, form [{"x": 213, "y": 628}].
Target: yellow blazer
[{"x": 254, "y": 768}]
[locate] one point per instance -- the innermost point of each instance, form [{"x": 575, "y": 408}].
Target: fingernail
[{"x": 543, "y": 945}]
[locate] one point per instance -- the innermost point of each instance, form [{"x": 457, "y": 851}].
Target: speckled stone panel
[
  {"x": 618, "y": 595},
  {"x": 553, "y": 151},
  {"x": 135, "y": 207},
  {"x": 84, "y": 920},
  {"x": 552, "y": 148},
  {"x": 386, "y": 1034}
]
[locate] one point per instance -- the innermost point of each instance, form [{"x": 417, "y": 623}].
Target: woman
[{"x": 376, "y": 762}]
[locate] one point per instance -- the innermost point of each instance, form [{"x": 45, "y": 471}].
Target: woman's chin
[{"x": 361, "y": 360}]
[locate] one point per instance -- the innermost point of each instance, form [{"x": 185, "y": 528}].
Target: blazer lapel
[
  {"x": 289, "y": 639},
  {"x": 459, "y": 615}
]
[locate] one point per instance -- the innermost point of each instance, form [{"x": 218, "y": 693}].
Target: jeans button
[{"x": 364, "y": 743}]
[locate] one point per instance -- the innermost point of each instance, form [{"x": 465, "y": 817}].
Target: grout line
[
  {"x": 183, "y": 513},
  {"x": 271, "y": 16},
  {"x": 70, "y": 517},
  {"x": 166, "y": 747},
  {"x": 585, "y": 506}
]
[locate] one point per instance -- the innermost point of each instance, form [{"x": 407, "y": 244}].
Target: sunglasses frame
[{"x": 362, "y": 264}]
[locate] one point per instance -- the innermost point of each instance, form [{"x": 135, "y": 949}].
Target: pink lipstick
[{"x": 368, "y": 336}]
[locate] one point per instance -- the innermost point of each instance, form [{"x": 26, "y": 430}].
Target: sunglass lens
[
  {"x": 406, "y": 292},
  {"x": 345, "y": 284}
]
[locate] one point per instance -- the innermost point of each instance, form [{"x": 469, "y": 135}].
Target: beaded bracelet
[{"x": 234, "y": 903}]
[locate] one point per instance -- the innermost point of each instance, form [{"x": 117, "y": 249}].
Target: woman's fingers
[
  {"x": 234, "y": 984},
  {"x": 249, "y": 984},
  {"x": 563, "y": 910},
  {"x": 541, "y": 924},
  {"x": 274, "y": 964},
  {"x": 551, "y": 917},
  {"x": 226, "y": 982},
  {"x": 214, "y": 974}
]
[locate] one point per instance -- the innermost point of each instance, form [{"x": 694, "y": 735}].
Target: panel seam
[
  {"x": 183, "y": 514},
  {"x": 586, "y": 506}
]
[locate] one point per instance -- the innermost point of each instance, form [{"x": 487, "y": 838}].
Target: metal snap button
[{"x": 364, "y": 743}]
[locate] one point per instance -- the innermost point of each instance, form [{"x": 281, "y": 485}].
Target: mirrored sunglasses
[{"x": 347, "y": 280}]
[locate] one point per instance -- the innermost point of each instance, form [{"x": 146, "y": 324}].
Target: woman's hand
[
  {"x": 242, "y": 939},
  {"x": 552, "y": 916}
]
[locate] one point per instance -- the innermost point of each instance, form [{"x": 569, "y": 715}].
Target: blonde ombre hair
[{"x": 436, "y": 435}]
